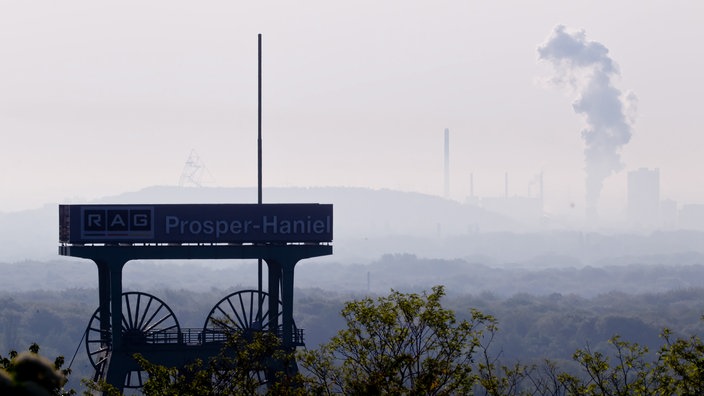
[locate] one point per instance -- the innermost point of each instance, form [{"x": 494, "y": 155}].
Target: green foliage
[
  {"x": 625, "y": 373},
  {"x": 242, "y": 367},
  {"x": 408, "y": 344},
  {"x": 28, "y": 373},
  {"x": 681, "y": 370},
  {"x": 678, "y": 369},
  {"x": 533, "y": 327},
  {"x": 494, "y": 378},
  {"x": 399, "y": 344},
  {"x": 100, "y": 387}
]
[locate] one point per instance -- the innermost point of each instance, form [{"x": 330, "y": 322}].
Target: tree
[
  {"x": 626, "y": 373},
  {"x": 678, "y": 369},
  {"x": 494, "y": 378},
  {"x": 28, "y": 373},
  {"x": 681, "y": 365},
  {"x": 399, "y": 344}
]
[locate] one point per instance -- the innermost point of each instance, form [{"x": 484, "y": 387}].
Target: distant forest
[
  {"x": 542, "y": 275},
  {"x": 545, "y": 313}
]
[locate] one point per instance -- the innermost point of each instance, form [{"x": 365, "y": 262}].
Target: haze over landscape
[
  {"x": 541, "y": 160},
  {"x": 97, "y": 100},
  {"x": 573, "y": 129},
  {"x": 567, "y": 124}
]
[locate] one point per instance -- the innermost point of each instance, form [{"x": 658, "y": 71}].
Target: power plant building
[{"x": 643, "y": 202}]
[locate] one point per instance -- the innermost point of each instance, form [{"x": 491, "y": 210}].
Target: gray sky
[{"x": 101, "y": 97}]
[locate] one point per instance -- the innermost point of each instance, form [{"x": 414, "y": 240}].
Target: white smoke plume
[{"x": 586, "y": 67}]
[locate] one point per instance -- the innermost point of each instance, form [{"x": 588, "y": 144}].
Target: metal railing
[{"x": 198, "y": 336}]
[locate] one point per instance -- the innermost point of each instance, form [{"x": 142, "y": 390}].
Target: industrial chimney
[{"x": 447, "y": 163}]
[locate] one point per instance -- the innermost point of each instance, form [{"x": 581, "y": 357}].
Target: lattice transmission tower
[{"x": 194, "y": 173}]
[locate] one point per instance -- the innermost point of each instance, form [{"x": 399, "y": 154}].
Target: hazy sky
[{"x": 101, "y": 97}]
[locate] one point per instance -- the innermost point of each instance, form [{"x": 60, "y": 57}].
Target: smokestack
[
  {"x": 471, "y": 185},
  {"x": 541, "y": 191},
  {"x": 447, "y": 163}
]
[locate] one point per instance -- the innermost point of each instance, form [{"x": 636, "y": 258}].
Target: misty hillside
[
  {"x": 359, "y": 214},
  {"x": 370, "y": 223}
]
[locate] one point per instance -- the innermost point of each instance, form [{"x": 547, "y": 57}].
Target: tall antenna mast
[
  {"x": 259, "y": 123},
  {"x": 259, "y": 167}
]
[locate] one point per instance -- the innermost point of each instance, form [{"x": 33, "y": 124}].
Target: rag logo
[{"x": 118, "y": 222}]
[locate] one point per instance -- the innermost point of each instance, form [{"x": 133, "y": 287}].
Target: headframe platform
[{"x": 127, "y": 323}]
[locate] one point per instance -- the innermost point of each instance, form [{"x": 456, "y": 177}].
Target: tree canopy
[
  {"x": 409, "y": 344},
  {"x": 398, "y": 344},
  {"x": 28, "y": 373}
]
